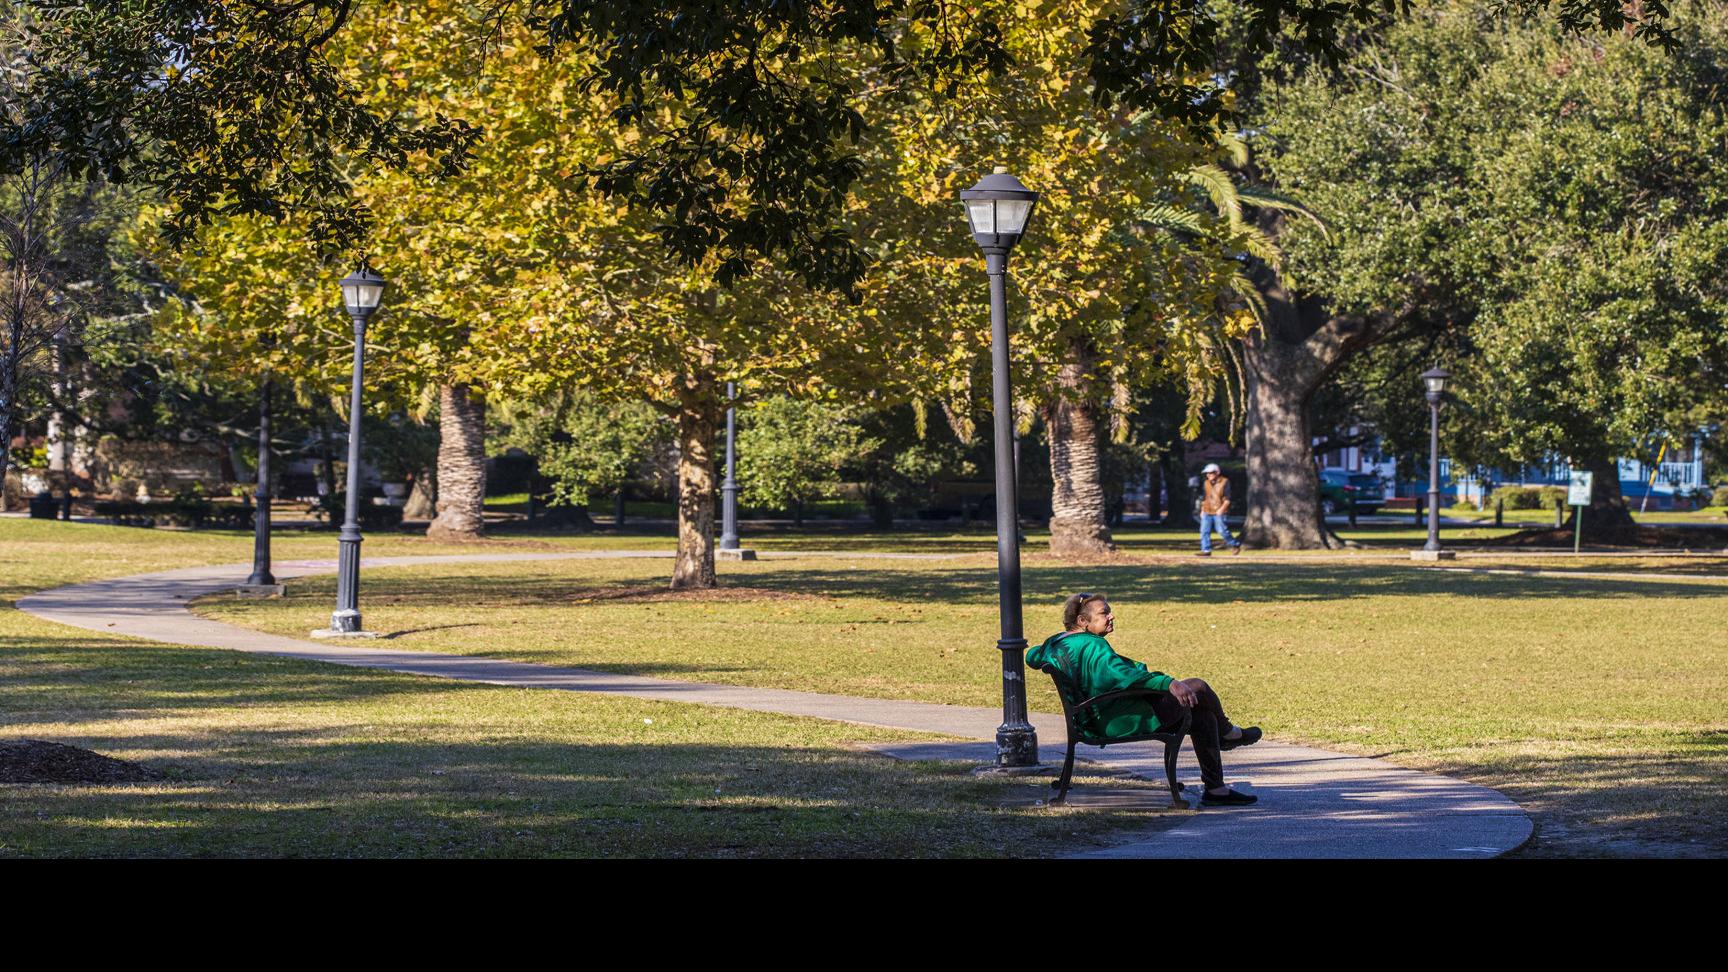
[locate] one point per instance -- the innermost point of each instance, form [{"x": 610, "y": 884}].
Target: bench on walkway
[{"x": 1080, "y": 731}]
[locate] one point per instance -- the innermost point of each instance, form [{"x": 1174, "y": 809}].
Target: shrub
[
  {"x": 1720, "y": 497},
  {"x": 1519, "y": 497}
]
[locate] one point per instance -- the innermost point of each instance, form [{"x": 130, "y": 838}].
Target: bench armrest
[{"x": 1130, "y": 693}]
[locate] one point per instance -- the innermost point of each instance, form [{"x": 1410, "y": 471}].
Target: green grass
[
  {"x": 274, "y": 757},
  {"x": 1595, "y": 701}
]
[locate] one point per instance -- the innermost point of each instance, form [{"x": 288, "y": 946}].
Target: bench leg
[
  {"x": 1173, "y": 749},
  {"x": 1061, "y": 784}
]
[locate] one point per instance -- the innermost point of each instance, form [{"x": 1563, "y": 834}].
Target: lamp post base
[
  {"x": 324, "y": 633},
  {"x": 260, "y": 590},
  {"x": 1016, "y": 747},
  {"x": 736, "y": 553},
  {"x": 1433, "y": 555}
]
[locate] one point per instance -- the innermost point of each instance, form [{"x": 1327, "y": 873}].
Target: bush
[
  {"x": 1720, "y": 497},
  {"x": 1530, "y": 497}
]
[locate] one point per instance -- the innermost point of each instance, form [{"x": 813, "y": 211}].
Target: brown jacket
[{"x": 1213, "y": 495}]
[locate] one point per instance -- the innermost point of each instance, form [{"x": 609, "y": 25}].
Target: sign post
[{"x": 1578, "y": 494}]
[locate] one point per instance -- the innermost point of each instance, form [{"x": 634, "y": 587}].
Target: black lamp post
[
  {"x": 361, "y": 292},
  {"x": 262, "y": 582},
  {"x": 729, "y": 488},
  {"x": 1435, "y": 381},
  {"x": 998, "y": 208}
]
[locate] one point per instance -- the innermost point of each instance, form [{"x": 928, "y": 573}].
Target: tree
[
  {"x": 586, "y": 446},
  {"x": 218, "y": 108},
  {"x": 58, "y": 233},
  {"x": 758, "y": 157},
  {"x": 1107, "y": 302},
  {"x": 1531, "y": 203},
  {"x": 740, "y": 119},
  {"x": 791, "y": 451}
]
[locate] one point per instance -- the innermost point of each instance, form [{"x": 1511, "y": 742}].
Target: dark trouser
[{"x": 1210, "y": 724}]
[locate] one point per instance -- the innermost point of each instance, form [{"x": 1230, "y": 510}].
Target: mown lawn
[
  {"x": 1590, "y": 690},
  {"x": 272, "y": 757}
]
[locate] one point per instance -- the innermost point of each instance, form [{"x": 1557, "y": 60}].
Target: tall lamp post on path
[
  {"x": 362, "y": 291},
  {"x": 1434, "y": 380},
  {"x": 998, "y": 208}
]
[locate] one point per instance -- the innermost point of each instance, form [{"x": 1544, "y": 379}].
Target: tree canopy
[{"x": 1544, "y": 213}]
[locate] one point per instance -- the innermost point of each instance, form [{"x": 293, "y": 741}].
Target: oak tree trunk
[
  {"x": 698, "y": 421},
  {"x": 1298, "y": 347},
  {"x": 1079, "y": 519},
  {"x": 1282, "y": 506},
  {"x": 1609, "y": 516},
  {"x": 461, "y": 466}
]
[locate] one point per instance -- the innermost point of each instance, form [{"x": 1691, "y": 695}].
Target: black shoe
[
  {"x": 1231, "y": 799},
  {"x": 1250, "y": 736}
]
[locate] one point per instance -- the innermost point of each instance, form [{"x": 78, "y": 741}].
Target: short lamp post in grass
[
  {"x": 729, "y": 545},
  {"x": 262, "y": 583},
  {"x": 1434, "y": 381},
  {"x": 998, "y": 209},
  {"x": 362, "y": 291}
]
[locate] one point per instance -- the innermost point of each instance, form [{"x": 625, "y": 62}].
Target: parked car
[{"x": 1340, "y": 490}]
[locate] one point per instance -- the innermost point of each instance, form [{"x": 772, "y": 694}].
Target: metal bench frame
[{"x": 1172, "y": 740}]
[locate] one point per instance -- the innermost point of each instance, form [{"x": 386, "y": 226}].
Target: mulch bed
[
  {"x": 34, "y": 761},
  {"x": 1637, "y": 538},
  {"x": 642, "y": 595}
]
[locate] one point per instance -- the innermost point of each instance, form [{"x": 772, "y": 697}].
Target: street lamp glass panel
[
  {"x": 362, "y": 290},
  {"x": 982, "y": 214},
  {"x": 1436, "y": 385},
  {"x": 1011, "y": 215},
  {"x": 1435, "y": 380},
  {"x": 362, "y": 296}
]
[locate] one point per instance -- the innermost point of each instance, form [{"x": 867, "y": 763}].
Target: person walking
[{"x": 1214, "y": 503}]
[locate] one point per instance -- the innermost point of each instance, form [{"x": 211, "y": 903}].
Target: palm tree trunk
[
  {"x": 461, "y": 466},
  {"x": 1079, "y": 519}
]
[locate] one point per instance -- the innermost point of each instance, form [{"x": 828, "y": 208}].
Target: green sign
[{"x": 1578, "y": 492}]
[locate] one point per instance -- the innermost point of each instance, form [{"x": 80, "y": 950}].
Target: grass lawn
[
  {"x": 273, "y": 757},
  {"x": 1596, "y": 702}
]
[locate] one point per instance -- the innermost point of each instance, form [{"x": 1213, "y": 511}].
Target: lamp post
[
  {"x": 262, "y": 583},
  {"x": 1434, "y": 380},
  {"x": 729, "y": 488},
  {"x": 361, "y": 292},
  {"x": 729, "y": 546},
  {"x": 998, "y": 208}
]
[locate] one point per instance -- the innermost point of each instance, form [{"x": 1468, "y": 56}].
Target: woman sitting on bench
[{"x": 1098, "y": 669}]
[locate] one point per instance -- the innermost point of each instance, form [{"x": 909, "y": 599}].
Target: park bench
[{"x": 1081, "y": 728}]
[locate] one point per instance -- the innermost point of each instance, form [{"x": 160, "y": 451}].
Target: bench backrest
[{"x": 1064, "y": 669}]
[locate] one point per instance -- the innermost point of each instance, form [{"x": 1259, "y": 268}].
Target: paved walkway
[{"x": 1313, "y": 803}]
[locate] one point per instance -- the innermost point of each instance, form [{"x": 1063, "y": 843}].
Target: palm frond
[
  {"x": 1220, "y": 188},
  {"x": 1167, "y": 217}
]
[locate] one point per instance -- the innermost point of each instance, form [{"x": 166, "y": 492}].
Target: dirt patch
[
  {"x": 644, "y": 595},
  {"x": 35, "y": 761},
  {"x": 1636, "y": 538}
]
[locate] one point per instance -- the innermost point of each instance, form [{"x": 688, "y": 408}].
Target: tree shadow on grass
[
  {"x": 319, "y": 794},
  {"x": 1051, "y": 582}
]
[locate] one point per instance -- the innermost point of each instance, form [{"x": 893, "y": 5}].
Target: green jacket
[{"x": 1095, "y": 668}]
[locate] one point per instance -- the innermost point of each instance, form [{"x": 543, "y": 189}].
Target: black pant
[{"x": 1210, "y": 724}]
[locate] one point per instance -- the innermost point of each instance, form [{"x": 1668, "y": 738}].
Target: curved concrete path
[{"x": 1314, "y": 803}]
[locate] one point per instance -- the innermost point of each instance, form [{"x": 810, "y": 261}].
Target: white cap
[{"x": 1211, "y": 467}]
